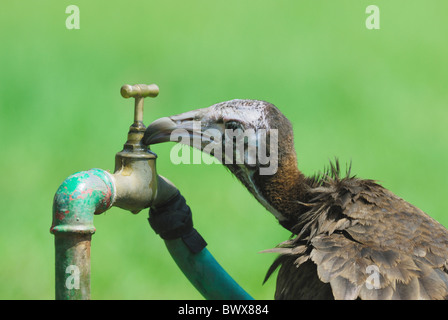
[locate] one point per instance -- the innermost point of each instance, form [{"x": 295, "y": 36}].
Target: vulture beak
[
  {"x": 159, "y": 131},
  {"x": 188, "y": 125},
  {"x": 231, "y": 131}
]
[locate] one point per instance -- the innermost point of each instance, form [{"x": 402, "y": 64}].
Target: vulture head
[{"x": 252, "y": 138}]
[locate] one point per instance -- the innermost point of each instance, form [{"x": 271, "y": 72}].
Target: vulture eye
[{"x": 233, "y": 125}]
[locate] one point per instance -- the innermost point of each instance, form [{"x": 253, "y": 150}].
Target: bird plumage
[
  {"x": 351, "y": 238},
  {"x": 365, "y": 242}
]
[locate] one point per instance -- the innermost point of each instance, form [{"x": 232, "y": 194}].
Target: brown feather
[{"x": 349, "y": 225}]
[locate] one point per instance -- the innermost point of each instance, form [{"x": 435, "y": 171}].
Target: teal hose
[{"x": 205, "y": 273}]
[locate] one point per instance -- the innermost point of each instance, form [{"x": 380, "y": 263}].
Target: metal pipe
[
  {"x": 78, "y": 199},
  {"x": 87, "y": 193},
  {"x": 82, "y": 195}
]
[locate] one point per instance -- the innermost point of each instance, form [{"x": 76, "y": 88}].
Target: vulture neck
[{"x": 284, "y": 191}]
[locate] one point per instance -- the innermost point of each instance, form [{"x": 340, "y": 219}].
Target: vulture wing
[{"x": 360, "y": 241}]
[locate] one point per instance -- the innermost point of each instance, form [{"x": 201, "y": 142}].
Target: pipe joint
[{"x": 79, "y": 197}]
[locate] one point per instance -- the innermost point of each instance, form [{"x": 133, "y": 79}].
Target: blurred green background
[{"x": 375, "y": 97}]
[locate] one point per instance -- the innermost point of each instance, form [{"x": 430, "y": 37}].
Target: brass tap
[{"x": 135, "y": 176}]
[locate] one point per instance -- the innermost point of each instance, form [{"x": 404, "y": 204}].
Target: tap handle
[{"x": 139, "y": 92}]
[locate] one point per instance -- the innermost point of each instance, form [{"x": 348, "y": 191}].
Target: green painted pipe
[
  {"x": 79, "y": 197},
  {"x": 205, "y": 273}
]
